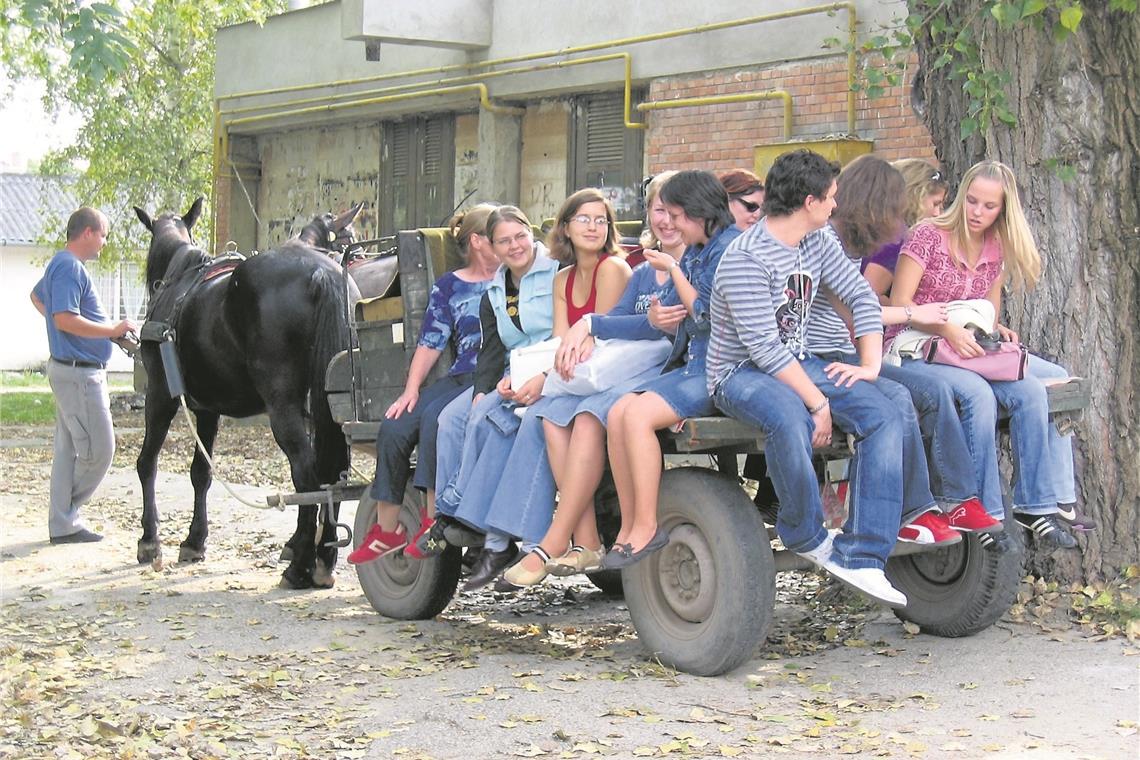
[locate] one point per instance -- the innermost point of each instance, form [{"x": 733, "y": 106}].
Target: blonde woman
[{"x": 980, "y": 244}]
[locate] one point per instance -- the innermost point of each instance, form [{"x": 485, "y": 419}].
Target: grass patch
[
  {"x": 29, "y": 379},
  {"x": 30, "y": 408}
]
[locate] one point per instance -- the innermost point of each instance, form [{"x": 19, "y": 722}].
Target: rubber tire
[
  {"x": 960, "y": 590},
  {"x": 719, "y": 549},
  {"x": 397, "y": 586}
]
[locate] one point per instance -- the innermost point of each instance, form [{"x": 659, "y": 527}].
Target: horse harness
[{"x": 156, "y": 329}]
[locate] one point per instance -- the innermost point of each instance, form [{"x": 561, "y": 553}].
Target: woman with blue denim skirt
[
  {"x": 516, "y": 311},
  {"x": 969, "y": 252},
  {"x": 697, "y": 205},
  {"x": 575, "y": 426},
  {"x": 452, "y": 316},
  {"x": 869, "y": 211}
]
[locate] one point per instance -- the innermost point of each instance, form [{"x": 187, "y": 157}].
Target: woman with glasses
[
  {"x": 745, "y": 197},
  {"x": 575, "y": 425}
]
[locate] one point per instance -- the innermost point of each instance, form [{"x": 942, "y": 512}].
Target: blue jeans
[
  {"x": 398, "y": 437},
  {"x": 449, "y": 439},
  {"x": 520, "y": 501},
  {"x": 917, "y": 498},
  {"x": 953, "y": 478},
  {"x": 755, "y": 397},
  {"x": 1043, "y": 459}
]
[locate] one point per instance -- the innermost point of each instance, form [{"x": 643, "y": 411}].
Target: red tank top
[{"x": 574, "y": 313}]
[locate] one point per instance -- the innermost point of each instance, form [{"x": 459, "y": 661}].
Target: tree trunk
[{"x": 1076, "y": 104}]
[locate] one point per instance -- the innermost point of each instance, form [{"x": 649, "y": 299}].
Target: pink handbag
[{"x": 1002, "y": 361}]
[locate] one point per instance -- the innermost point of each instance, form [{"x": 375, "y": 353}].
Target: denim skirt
[
  {"x": 561, "y": 410},
  {"x": 685, "y": 389}
]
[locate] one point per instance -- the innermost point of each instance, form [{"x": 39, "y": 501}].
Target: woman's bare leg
[
  {"x": 644, "y": 418},
  {"x": 620, "y": 464}
]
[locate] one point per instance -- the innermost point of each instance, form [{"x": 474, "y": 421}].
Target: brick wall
[{"x": 720, "y": 137}]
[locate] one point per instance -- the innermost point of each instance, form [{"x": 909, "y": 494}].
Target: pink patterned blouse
[{"x": 943, "y": 280}]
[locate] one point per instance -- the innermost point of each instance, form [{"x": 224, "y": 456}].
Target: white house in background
[{"x": 34, "y": 209}]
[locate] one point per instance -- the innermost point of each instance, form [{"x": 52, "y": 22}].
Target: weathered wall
[
  {"x": 306, "y": 172},
  {"x": 545, "y": 148},
  {"x": 467, "y": 157}
]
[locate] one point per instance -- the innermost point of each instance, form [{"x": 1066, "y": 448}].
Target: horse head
[
  {"x": 331, "y": 233},
  {"x": 169, "y": 234}
]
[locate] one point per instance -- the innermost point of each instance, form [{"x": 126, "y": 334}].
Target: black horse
[{"x": 252, "y": 336}]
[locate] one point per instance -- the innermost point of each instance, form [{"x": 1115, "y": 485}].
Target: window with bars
[{"x": 122, "y": 291}]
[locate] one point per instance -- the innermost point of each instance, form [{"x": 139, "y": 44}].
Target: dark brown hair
[
  {"x": 561, "y": 249},
  {"x": 870, "y": 201},
  {"x": 84, "y": 219}
]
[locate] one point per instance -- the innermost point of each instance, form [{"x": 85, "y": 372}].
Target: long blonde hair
[
  {"x": 922, "y": 181},
  {"x": 1019, "y": 253},
  {"x": 648, "y": 239}
]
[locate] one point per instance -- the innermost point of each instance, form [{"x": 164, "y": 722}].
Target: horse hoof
[
  {"x": 322, "y": 576},
  {"x": 149, "y": 552},
  {"x": 190, "y": 554},
  {"x": 292, "y": 579},
  {"x": 286, "y": 554}
]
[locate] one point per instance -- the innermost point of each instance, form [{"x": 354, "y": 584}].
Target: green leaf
[
  {"x": 968, "y": 127},
  {"x": 1032, "y": 8},
  {"x": 1071, "y": 17}
]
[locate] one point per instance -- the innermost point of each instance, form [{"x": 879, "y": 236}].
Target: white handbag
[
  {"x": 528, "y": 361},
  {"x": 612, "y": 362},
  {"x": 911, "y": 342}
]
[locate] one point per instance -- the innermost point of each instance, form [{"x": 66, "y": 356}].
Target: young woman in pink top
[{"x": 980, "y": 244}]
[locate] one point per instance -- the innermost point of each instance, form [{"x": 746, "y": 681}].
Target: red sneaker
[
  {"x": 930, "y": 528},
  {"x": 378, "y": 543},
  {"x": 428, "y": 541},
  {"x": 971, "y": 517}
]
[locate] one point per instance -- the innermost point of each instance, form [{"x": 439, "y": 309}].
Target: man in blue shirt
[{"x": 79, "y": 337}]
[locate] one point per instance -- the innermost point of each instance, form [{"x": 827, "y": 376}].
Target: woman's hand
[
  {"x": 504, "y": 388},
  {"x": 1007, "y": 334},
  {"x": 847, "y": 375},
  {"x": 929, "y": 314},
  {"x": 659, "y": 260},
  {"x": 531, "y": 390},
  {"x": 666, "y": 318},
  {"x": 477, "y": 398},
  {"x": 576, "y": 347},
  {"x": 821, "y": 436},
  {"x": 963, "y": 341},
  {"x": 406, "y": 402}
]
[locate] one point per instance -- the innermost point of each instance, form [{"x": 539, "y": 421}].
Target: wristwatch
[{"x": 588, "y": 319}]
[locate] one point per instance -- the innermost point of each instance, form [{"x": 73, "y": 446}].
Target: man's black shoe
[
  {"x": 489, "y": 566},
  {"x": 458, "y": 534},
  {"x": 81, "y": 536}
]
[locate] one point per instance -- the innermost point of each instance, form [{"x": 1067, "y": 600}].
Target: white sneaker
[
  {"x": 871, "y": 581},
  {"x": 821, "y": 554}
]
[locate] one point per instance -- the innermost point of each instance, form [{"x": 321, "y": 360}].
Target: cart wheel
[
  {"x": 397, "y": 586},
  {"x": 961, "y": 589},
  {"x": 704, "y": 602}
]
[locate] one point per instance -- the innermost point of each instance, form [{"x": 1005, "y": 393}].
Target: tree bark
[{"x": 1077, "y": 104}]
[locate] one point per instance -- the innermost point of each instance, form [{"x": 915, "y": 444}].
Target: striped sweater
[{"x": 763, "y": 294}]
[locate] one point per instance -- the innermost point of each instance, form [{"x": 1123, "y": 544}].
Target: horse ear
[
  {"x": 144, "y": 217},
  {"x": 191, "y": 216},
  {"x": 348, "y": 217}
]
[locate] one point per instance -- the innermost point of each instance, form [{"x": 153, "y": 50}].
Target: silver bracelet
[{"x": 820, "y": 407}]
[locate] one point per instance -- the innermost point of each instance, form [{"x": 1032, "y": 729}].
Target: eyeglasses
[
  {"x": 586, "y": 221},
  {"x": 749, "y": 206},
  {"x": 520, "y": 238}
]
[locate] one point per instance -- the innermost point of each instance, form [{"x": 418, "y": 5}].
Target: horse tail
[{"x": 331, "y": 336}]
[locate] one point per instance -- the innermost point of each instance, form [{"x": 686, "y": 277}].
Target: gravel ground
[{"x": 106, "y": 658}]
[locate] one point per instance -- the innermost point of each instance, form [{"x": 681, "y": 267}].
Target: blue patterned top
[{"x": 452, "y": 315}]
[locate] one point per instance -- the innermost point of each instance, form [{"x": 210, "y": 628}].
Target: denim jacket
[{"x": 536, "y": 304}]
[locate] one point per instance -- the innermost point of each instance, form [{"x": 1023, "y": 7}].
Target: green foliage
[
  {"x": 955, "y": 29},
  {"x": 141, "y": 76}
]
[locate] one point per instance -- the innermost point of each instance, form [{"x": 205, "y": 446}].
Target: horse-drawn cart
[{"x": 704, "y": 602}]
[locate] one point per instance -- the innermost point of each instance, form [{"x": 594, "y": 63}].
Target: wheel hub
[{"x": 688, "y": 574}]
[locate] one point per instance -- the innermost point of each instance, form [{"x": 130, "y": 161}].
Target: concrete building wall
[
  {"x": 545, "y": 151},
  {"x": 310, "y": 171},
  {"x": 467, "y": 158}
]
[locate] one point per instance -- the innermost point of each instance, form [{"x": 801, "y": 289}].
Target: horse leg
[
  {"x": 193, "y": 549},
  {"x": 288, "y": 427},
  {"x": 158, "y": 413}
]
